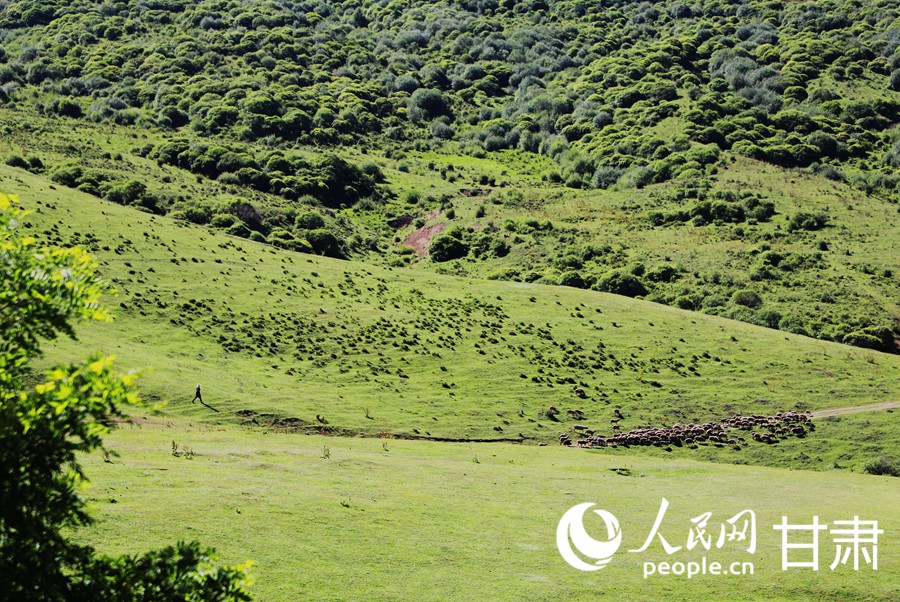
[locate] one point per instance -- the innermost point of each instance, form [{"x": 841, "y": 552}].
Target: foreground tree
[{"x": 43, "y": 291}]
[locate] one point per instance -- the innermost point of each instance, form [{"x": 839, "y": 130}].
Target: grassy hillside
[
  {"x": 409, "y": 248},
  {"x": 354, "y": 348},
  {"x": 838, "y": 282},
  {"x": 401, "y": 520},
  {"x": 737, "y": 159}
]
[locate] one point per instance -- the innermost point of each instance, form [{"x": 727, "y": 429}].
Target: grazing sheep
[{"x": 781, "y": 424}]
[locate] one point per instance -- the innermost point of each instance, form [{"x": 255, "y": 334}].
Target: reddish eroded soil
[{"x": 421, "y": 238}]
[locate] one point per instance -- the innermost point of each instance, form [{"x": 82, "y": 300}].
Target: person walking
[{"x": 197, "y": 395}]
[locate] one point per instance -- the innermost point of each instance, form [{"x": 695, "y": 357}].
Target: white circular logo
[{"x": 571, "y": 527}]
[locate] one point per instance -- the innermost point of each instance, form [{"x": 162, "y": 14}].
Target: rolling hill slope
[
  {"x": 733, "y": 158},
  {"x": 353, "y": 348}
]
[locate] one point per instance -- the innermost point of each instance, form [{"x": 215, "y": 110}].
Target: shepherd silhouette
[{"x": 197, "y": 396}]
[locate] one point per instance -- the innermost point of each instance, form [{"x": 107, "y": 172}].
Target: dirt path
[{"x": 869, "y": 408}]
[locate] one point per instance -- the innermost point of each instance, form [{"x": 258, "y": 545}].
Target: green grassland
[
  {"x": 829, "y": 274},
  {"x": 386, "y": 520},
  {"x": 837, "y": 283},
  {"x": 737, "y": 159},
  {"x": 387, "y": 238},
  {"x": 351, "y": 348}
]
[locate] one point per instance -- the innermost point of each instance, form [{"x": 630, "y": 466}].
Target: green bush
[
  {"x": 239, "y": 229},
  {"x": 197, "y": 213},
  {"x": 68, "y": 175},
  {"x": 324, "y": 242},
  {"x": 16, "y": 161},
  {"x": 740, "y": 312},
  {"x": 747, "y": 298},
  {"x": 572, "y": 278},
  {"x": 884, "y": 465},
  {"x": 768, "y": 318},
  {"x": 447, "y": 246},
  {"x": 426, "y": 104},
  {"x": 793, "y": 323},
  {"x": 713, "y": 301},
  {"x": 621, "y": 283},
  {"x": 807, "y": 221},
  {"x": 662, "y": 273},
  {"x": 222, "y": 220},
  {"x": 689, "y": 302},
  {"x": 309, "y": 220},
  {"x": 125, "y": 193},
  {"x": 499, "y": 247},
  {"x": 863, "y": 339}
]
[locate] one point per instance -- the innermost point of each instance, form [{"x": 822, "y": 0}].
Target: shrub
[
  {"x": 16, "y": 161},
  {"x": 324, "y": 242},
  {"x": 309, "y": 221},
  {"x": 713, "y": 301},
  {"x": 35, "y": 165},
  {"x": 442, "y": 130},
  {"x": 621, "y": 283},
  {"x": 747, "y": 298},
  {"x": 739, "y": 312},
  {"x": 64, "y": 106},
  {"x": 239, "y": 229},
  {"x": 662, "y": 273},
  {"x": 426, "y": 104},
  {"x": 222, "y": 220},
  {"x": 447, "y": 246},
  {"x": 572, "y": 278},
  {"x": 67, "y": 175},
  {"x": 768, "y": 318},
  {"x": 606, "y": 176},
  {"x": 761, "y": 211},
  {"x": 126, "y": 193},
  {"x": 884, "y": 465},
  {"x": 499, "y": 247},
  {"x": 198, "y": 214},
  {"x": 862, "y": 339},
  {"x": 373, "y": 171},
  {"x": 793, "y": 323},
  {"x": 686, "y": 302},
  {"x": 807, "y": 221}
]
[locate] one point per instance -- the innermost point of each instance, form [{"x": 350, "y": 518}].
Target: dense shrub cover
[{"x": 575, "y": 80}]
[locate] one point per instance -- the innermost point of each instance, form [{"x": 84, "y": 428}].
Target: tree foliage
[{"x": 755, "y": 77}]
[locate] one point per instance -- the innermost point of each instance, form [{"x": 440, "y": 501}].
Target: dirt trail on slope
[{"x": 869, "y": 408}]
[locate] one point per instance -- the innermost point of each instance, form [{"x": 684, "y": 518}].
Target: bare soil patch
[{"x": 852, "y": 410}]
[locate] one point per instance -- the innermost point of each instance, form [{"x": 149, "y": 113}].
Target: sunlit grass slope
[
  {"x": 363, "y": 349},
  {"x": 403, "y": 520}
]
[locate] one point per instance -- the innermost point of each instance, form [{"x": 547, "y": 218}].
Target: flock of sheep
[{"x": 765, "y": 429}]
